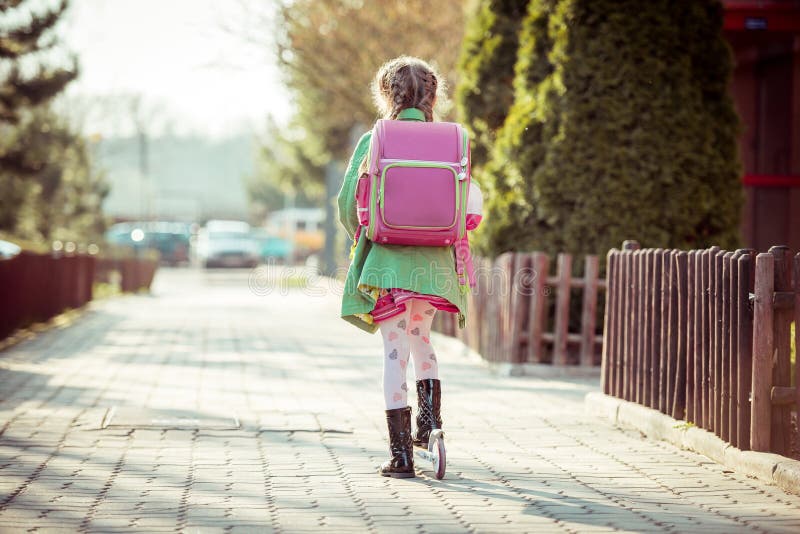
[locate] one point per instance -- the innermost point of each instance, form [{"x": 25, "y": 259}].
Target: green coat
[{"x": 427, "y": 270}]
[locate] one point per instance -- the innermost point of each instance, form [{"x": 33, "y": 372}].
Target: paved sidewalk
[{"x": 209, "y": 408}]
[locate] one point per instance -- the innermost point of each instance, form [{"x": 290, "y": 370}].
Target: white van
[{"x": 227, "y": 244}]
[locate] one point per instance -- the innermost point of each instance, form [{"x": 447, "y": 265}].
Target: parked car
[
  {"x": 276, "y": 249},
  {"x": 8, "y": 249},
  {"x": 227, "y": 244},
  {"x": 170, "y": 239},
  {"x": 272, "y": 247}
]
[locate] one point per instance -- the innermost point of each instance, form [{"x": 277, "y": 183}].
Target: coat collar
[{"x": 411, "y": 114}]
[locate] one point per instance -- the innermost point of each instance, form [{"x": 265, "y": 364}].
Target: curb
[
  {"x": 504, "y": 369},
  {"x": 543, "y": 370},
  {"x": 772, "y": 468},
  {"x": 62, "y": 320}
]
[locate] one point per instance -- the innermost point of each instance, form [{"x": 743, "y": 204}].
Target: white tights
[{"x": 404, "y": 335}]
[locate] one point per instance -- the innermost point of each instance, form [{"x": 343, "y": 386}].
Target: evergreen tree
[
  {"x": 486, "y": 70},
  {"x": 519, "y": 146},
  {"x": 60, "y": 194},
  {"x": 48, "y": 186},
  {"x": 21, "y": 44},
  {"x": 629, "y": 133}
]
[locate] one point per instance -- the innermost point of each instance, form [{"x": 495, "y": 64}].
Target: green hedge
[
  {"x": 486, "y": 71},
  {"x": 621, "y": 127}
]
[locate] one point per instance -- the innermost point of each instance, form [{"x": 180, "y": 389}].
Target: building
[
  {"x": 302, "y": 227},
  {"x": 765, "y": 38}
]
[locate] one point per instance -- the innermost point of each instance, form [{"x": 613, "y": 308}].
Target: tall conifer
[{"x": 621, "y": 128}]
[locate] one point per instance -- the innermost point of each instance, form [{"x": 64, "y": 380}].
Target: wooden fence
[
  {"x": 36, "y": 287},
  {"x": 134, "y": 273},
  {"x": 703, "y": 335},
  {"x": 520, "y": 314}
]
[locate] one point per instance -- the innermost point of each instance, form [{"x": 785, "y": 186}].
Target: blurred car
[
  {"x": 170, "y": 239},
  {"x": 172, "y": 246},
  {"x": 301, "y": 227},
  {"x": 276, "y": 248},
  {"x": 120, "y": 234},
  {"x": 272, "y": 247},
  {"x": 8, "y": 249},
  {"x": 227, "y": 244}
]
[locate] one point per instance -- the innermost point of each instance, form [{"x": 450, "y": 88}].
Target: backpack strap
[
  {"x": 464, "y": 268},
  {"x": 355, "y": 242}
]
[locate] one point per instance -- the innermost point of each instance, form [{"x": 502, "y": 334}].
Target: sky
[{"x": 193, "y": 74}]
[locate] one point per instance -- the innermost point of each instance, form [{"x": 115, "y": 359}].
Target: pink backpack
[{"x": 415, "y": 190}]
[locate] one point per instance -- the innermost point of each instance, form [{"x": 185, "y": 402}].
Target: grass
[
  {"x": 102, "y": 290},
  {"x": 294, "y": 281}
]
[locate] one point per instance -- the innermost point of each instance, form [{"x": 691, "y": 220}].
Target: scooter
[{"x": 435, "y": 453}]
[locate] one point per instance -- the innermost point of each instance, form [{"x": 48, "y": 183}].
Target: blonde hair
[{"x": 408, "y": 82}]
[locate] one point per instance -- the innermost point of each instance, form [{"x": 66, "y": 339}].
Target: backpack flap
[{"x": 420, "y": 183}]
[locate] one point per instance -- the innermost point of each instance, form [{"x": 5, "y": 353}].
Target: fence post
[
  {"x": 628, "y": 319},
  {"x": 656, "y": 347},
  {"x": 492, "y": 304},
  {"x": 563, "y": 292},
  {"x": 589, "y": 313},
  {"x": 647, "y": 326},
  {"x": 678, "y": 405},
  {"x": 666, "y": 278},
  {"x": 626, "y": 325},
  {"x": 606, "y": 364},
  {"x": 128, "y": 272},
  {"x": 705, "y": 339},
  {"x": 77, "y": 280},
  {"x": 669, "y": 379},
  {"x": 89, "y": 270},
  {"x": 520, "y": 303},
  {"x": 797, "y": 334},
  {"x": 731, "y": 359},
  {"x": 744, "y": 346},
  {"x": 484, "y": 294},
  {"x": 725, "y": 369},
  {"x": 716, "y": 367},
  {"x": 12, "y": 312},
  {"x": 498, "y": 307},
  {"x": 537, "y": 316},
  {"x": 617, "y": 348},
  {"x": 47, "y": 294},
  {"x": 488, "y": 334},
  {"x": 781, "y": 370},
  {"x": 760, "y": 419},
  {"x": 691, "y": 347},
  {"x": 506, "y": 307},
  {"x": 620, "y": 328},
  {"x": 638, "y": 325},
  {"x": 697, "y": 410},
  {"x": 629, "y": 378}
]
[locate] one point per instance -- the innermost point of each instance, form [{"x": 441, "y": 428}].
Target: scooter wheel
[{"x": 437, "y": 450}]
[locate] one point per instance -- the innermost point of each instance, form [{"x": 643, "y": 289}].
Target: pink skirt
[{"x": 393, "y": 303}]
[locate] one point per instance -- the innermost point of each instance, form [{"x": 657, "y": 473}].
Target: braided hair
[{"x": 407, "y": 82}]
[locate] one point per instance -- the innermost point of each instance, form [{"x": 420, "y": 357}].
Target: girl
[{"x": 396, "y": 288}]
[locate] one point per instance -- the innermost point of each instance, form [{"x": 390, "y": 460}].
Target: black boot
[
  {"x": 401, "y": 465},
  {"x": 429, "y": 397}
]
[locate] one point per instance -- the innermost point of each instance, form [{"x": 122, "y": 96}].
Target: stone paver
[{"x": 304, "y": 389}]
